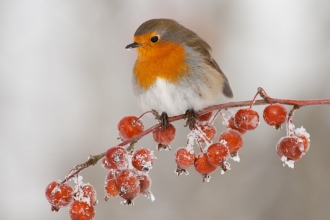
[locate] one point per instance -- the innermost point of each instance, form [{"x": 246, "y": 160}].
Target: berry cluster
[
  {"x": 128, "y": 167},
  {"x": 81, "y": 198}
]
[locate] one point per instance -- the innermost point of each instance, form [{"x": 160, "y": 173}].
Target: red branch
[{"x": 296, "y": 103}]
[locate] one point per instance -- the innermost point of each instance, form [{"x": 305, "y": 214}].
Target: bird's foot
[
  {"x": 163, "y": 119},
  {"x": 191, "y": 118}
]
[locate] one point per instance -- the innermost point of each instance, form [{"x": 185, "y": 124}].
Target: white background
[{"x": 65, "y": 83}]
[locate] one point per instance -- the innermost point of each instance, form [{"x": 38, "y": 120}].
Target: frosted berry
[
  {"x": 81, "y": 211},
  {"x": 247, "y": 119},
  {"x": 60, "y": 196},
  {"x": 117, "y": 158},
  {"x": 232, "y": 125},
  {"x": 217, "y": 153},
  {"x": 164, "y": 137},
  {"x": 143, "y": 159},
  {"x": 184, "y": 159},
  {"x": 290, "y": 147},
  {"x": 111, "y": 189},
  {"x": 275, "y": 115},
  {"x": 304, "y": 136},
  {"x": 129, "y": 185},
  {"x": 209, "y": 133},
  {"x": 203, "y": 166},
  {"x": 129, "y": 126},
  {"x": 85, "y": 193},
  {"x": 145, "y": 183},
  {"x": 234, "y": 140}
]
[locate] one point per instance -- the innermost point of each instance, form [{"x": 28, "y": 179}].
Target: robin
[{"x": 174, "y": 72}]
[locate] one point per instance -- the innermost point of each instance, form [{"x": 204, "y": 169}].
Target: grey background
[{"x": 65, "y": 83}]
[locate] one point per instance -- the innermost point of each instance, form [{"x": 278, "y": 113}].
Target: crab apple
[
  {"x": 290, "y": 147},
  {"x": 217, "y": 153},
  {"x": 184, "y": 159},
  {"x": 111, "y": 189},
  {"x": 143, "y": 159},
  {"x": 275, "y": 115},
  {"x": 209, "y": 131},
  {"x": 86, "y": 193},
  {"x": 117, "y": 158},
  {"x": 234, "y": 140},
  {"x": 145, "y": 183},
  {"x": 129, "y": 185},
  {"x": 58, "y": 196},
  {"x": 104, "y": 164},
  {"x": 164, "y": 137},
  {"x": 81, "y": 210},
  {"x": 129, "y": 126},
  {"x": 205, "y": 118},
  {"x": 232, "y": 124},
  {"x": 203, "y": 166},
  {"x": 247, "y": 119}
]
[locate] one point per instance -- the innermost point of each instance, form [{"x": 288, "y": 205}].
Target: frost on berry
[
  {"x": 143, "y": 159},
  {"x": 129, "y": 126},
  {"x": 275, "y": 115},
  {"x": 203, "y": 166},
  {"x": 117, "y": 158},
  {"x": 247, "y": 119},
  {"x": 85, "y": 193},
  {"x": 58, "y": 196},
  {"x": 129, "y": 185},
  {"x": 304, "y": 136},
  {"x": 290, "y": 149},
  {"x": 184, "y": 159},
  {"x": 164, "y": 137},
  {"x": 234, "y": 141},
  {"x": 81, "y": 210}
]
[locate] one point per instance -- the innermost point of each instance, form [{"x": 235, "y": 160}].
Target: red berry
[
  {"x": 129, "y": 185},
  {"x": 204, "y": 119},
  {"x": 143, "y": 159},
  {"x": 247, "y": 119},
  {"x": 203, "y": 166},
  {"x": 275, "y": 114},
  {"x": 290, "y": 147},
  {"x": 117, "y": 158},
  {"x": 129, "y": 126},
  {"x": 184, "y": 158},
  {"x": 81, "y": 210},
  {"x": 105, "y": 164},
  {"x": 86, "y": 193},
  {"x": 209, "y": 133},
  {"x": 145, "y": 183},
  {"x": 234, "y": 140},
  {"x": 111, "y": 189},
  {"x": 232, "y": 125},
  {"x": 217, "y": 153},
  {"x": 60, "y": 196},
  {"x": 164, "y": 137}
]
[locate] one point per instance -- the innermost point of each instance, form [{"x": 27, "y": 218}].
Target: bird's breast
[{"x": 166, "y": 61}]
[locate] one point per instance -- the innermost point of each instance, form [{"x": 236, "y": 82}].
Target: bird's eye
[{"x": 154, "y": 39}]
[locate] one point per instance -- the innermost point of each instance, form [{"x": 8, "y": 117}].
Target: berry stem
[{"x": 92, "y": 160}]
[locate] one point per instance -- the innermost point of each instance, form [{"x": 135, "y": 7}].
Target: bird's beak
[{"x": 132, "y": 45}]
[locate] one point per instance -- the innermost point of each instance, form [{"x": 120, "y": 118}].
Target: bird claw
[
  {"x": 164, "y": 121},
  {"x": 191, "y": 118}
]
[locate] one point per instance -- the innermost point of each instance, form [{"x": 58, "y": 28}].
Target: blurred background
[{"x": 65, "y": 82}]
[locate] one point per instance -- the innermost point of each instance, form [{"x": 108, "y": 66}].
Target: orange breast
[{"x": 164, "y": 60}]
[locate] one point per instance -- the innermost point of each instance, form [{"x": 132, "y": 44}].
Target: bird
[{"x": 174, "y": 72}]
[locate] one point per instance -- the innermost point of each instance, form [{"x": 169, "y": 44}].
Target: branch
[{"x": 92, "y": 160}]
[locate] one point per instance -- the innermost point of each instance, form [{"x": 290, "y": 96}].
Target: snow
[{"x": 289, "y": 163}]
